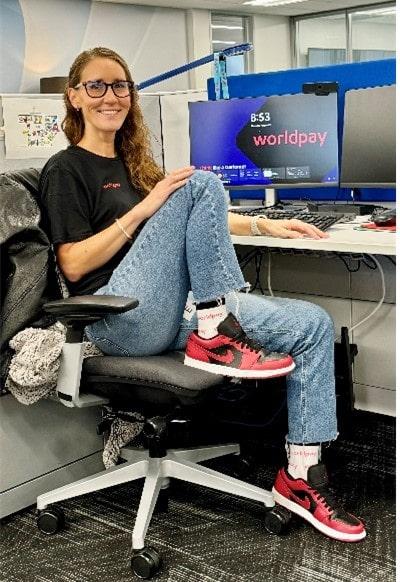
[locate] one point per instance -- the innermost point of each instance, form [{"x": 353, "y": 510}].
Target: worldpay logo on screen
[
  {"x": 295, "y": 138},
  {"x": 293, "y": 130}
]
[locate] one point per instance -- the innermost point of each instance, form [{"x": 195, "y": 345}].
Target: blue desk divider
[{"x": 348, "y": 76}]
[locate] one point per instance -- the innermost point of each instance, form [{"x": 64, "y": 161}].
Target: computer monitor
[
  {"x": 283, "y": 141},
  {"x": 369, "y": 138}
]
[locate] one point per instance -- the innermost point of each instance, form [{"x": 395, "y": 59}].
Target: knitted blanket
[{"x": 33, "y": 375}]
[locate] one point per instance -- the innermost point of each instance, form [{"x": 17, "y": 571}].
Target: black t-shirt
[{"x": 82, "y": 194}]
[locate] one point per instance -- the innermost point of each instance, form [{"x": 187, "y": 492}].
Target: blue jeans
[{"x": 186, "y": 247}]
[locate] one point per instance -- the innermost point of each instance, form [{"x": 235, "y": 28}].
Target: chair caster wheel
[
  {"x": 277, "y": 520},
  {"x": 145, "y": 562},
  {"x": 50, "y": 520}
]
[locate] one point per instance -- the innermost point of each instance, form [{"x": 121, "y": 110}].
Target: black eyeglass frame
[{"x": 131, "y": 87}]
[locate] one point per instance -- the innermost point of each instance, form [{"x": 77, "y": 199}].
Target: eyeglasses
[{"x": 99, "y": 88}]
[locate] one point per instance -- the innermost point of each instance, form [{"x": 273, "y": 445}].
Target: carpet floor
[{"x": 208, "y": 536}]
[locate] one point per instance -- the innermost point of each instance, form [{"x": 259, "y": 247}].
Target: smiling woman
[
  {"x": 120, "y": 227},
  {"x": 123, "y": 127},
  {"x": 103, "y": 98}
]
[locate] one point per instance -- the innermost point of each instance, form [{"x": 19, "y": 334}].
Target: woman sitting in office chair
[{"x": 122, "y": 227}]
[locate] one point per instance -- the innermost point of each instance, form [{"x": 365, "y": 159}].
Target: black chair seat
[{"x": 162, "y": 379}]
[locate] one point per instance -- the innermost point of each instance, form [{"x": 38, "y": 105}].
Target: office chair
[{"x": 166, "y": 393}]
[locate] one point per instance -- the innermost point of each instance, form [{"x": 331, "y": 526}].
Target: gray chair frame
[{"x": 157, "y": 466}]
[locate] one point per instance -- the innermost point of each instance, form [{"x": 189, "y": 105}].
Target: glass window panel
[
  {"x": 373, "y": 34},
  {"x": 318, "y": 57},
  {"x": 321, "y": 41},
  {"x": 227, "y": 31}
]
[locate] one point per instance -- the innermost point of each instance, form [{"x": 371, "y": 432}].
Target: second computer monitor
[
  {"x": 279, "y": 141},
  {"x": 369, "y": 138}
]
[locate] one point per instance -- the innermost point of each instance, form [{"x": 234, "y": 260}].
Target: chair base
[{"x": 177, "y": 463}]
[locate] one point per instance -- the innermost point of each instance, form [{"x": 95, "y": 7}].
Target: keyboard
[{"x": 319, "y": 219}]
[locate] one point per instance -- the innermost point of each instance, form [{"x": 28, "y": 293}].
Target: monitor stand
[{"x": 270, "y": 198}]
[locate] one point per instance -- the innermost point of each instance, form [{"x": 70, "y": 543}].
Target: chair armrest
[
  {"x": 76, "y": 313},
  {"x": 89, "y": 307}
]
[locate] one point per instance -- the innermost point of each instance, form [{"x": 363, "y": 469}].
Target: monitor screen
[
  {"x": 279, "y": 141},
  {"x": 369, "y": 138}
]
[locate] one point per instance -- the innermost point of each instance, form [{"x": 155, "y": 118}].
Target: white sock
[
  {"x": 209, "y": 318},
  {"x": 300, "y": 458}
]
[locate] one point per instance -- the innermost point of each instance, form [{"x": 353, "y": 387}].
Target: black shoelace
[
  {"x": 326, "y": 496},
  {"x": 244, "y": 341}
]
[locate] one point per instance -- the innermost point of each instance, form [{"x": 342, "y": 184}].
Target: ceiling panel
[{"x": 295, "y": 9}]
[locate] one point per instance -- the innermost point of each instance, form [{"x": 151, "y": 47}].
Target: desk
[
  {"x": 347, "y": 296},
  {"x": 342, "y": 238}
]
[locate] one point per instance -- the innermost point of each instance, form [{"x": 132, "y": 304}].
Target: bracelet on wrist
[
  {"x": 254, "y": 229},
  {"x": 121, "y": 228}
]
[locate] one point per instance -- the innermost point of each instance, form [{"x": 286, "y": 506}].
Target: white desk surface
[{"x": 342, "y": 238}]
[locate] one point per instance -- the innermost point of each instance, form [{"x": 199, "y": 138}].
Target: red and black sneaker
[
  {"x": 232, "y": 353},
  {"x": 313, "y": 501}
]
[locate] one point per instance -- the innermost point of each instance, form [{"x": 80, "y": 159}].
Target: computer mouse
[{"x": 385, "y": 217}]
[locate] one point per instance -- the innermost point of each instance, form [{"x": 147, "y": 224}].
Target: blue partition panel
[{"x": 348, "y": 76}]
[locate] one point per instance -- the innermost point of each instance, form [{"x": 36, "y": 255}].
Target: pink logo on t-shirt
[{"x": 113, "y": 185}]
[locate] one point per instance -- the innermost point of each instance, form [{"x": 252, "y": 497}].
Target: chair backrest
[{"x": 29, "y": 276}]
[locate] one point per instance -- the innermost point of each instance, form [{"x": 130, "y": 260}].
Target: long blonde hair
[{"x": 132, "y": 139}]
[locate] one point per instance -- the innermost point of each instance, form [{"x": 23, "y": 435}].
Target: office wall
[
  {"x": 41, "y": 38},
  {"x": 198, "y": 26},
  {"x": 271, "y": 38},
  {"x": 271, "y": 41}
]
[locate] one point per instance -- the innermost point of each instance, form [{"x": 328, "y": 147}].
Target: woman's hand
[
  {"x": 292, "y": 228},
  {"x": 240, "y": 224},
  {"x": 79, "y": 258},
  {"x": 162, "y": 191}
]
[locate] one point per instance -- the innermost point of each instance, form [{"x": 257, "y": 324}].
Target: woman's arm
[
  {"x": 293, "y": 228},
  {"x": 76, "y": 259}
]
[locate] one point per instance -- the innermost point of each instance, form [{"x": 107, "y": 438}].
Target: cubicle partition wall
[
  {"x": 166, "y": 115},
  {"x": 11, "y": 160}
]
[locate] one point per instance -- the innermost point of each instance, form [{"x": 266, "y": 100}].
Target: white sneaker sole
[
  {"x": 332, "y": 533},
  {"x": 234, "y": 372}
]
